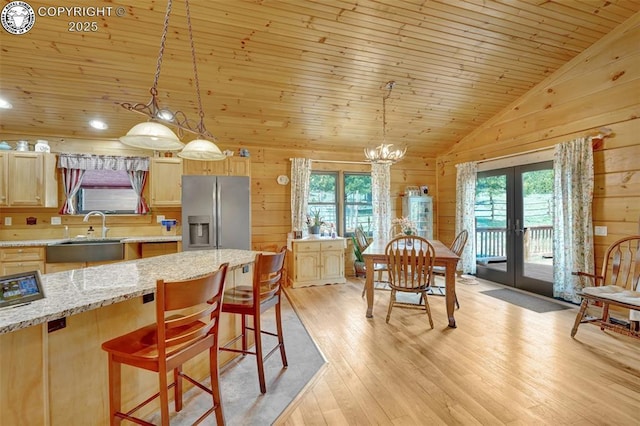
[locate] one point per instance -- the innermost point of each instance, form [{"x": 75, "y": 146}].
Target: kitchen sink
[{"x": 85, "y": 250}]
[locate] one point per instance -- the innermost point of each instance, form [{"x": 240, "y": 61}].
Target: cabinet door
[
  {"x": 239, "y": 166},
  {"x": 419, "y": 209},
  {"x": 332, "y": 264},
  {"x": 26, "y": 185},
  {"x": 218, "y": 168},
  {"x": 4, "y": 171},
  {"x": 307, "y": 266},
  {"x": 193, "y": 167},
  {"x": 165, "y": 181}
]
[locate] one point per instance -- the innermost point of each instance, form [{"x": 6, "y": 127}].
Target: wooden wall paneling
[
  {"x": 25, "y": 374},
  {"x": 590, "y": 92}
]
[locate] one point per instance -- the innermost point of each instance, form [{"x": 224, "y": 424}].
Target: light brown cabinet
[
  {"x": 230, "y": 166},
  {"x": 165, "y": 182},
  {"x": 33, "y": 180},
  {"x": 317, "y": 262},
  {"x": 14, "y": 260}
]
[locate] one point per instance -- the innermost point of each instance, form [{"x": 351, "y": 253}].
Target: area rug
[
  {"x": 533, "y": 303},
  {"x": 242, "y": 402}
]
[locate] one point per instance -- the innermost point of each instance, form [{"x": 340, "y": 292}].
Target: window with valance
[{"x": 76, "y": 167}]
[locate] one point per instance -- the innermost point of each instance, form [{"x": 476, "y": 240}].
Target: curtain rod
[
  {"x": 604, "y": 132},
  {"x": 337, "y": 161}
]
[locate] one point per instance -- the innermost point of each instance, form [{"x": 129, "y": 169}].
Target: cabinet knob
[
  {"x": 20, "y": 250},
  {"x": 38, "y": 198}
]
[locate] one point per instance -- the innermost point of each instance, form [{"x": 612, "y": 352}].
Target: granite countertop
[
  {"x": 31, "y": 243},
  {"x": 72, "y": 292}
]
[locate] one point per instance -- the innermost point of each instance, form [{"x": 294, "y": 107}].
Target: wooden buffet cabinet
[{"x": 316, "y": 261}]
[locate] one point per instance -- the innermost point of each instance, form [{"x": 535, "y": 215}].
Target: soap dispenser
[{"x": 90, "y": 232}]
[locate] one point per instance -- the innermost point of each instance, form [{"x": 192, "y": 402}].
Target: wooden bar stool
[
  {"x": 253, "y": 301},
  {"x": 187, "y": 318}
]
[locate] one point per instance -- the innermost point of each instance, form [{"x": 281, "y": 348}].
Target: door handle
[{"x": 518, "y": 229}]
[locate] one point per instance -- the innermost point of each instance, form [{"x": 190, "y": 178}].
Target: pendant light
[
  {"x": 155, "y": 135},
  {"x": 384, "y": 153}
]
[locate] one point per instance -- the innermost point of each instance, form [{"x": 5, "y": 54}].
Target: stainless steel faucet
[{"x": 104, "y": 221}]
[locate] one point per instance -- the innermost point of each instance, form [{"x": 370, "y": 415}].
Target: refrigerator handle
[{"x": 218, "y": 216}]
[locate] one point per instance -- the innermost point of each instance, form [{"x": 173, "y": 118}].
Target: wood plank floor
[{"x": 503, "y": 364}]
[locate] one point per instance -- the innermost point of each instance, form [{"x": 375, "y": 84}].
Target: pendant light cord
[
  {"x": 163, "y": 42},
  {"x": 195, "y": 71}
]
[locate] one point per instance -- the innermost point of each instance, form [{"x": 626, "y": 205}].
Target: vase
[{"x": 314, "y": 231}]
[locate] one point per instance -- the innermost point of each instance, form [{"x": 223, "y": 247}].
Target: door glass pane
[
  {"x": 537, "y": 203},
  {"x": 491, "y": 221}
]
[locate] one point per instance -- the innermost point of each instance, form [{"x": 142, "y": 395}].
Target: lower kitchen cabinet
[
  {"x": 317, "y": 261},
  {"x": 14, "y": 260}
]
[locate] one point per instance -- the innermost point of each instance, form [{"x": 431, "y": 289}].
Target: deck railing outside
[{"x": 491, "y": 242}]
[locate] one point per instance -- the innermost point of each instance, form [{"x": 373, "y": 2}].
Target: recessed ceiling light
[
  {"x": 5, "y": 104},
  {"x": 97, "y": 124}
]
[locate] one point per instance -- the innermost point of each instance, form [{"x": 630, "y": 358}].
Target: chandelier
[
  {"x": 384, "y": 153},
  {"x": 153, "y": 134}
]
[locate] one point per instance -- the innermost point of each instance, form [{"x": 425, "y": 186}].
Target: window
[
  {"x": 108, "y": 191},
  {"x": 343, "y": 198}
]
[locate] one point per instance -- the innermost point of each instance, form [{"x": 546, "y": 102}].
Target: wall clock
[{"x": 283, "y": 179}]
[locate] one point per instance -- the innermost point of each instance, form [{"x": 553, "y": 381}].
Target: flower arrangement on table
[{"x": 406, "y": 225}]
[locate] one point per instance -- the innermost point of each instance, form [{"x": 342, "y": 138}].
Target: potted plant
[
  {"x": 314, "y": 221},
  {"x": 358, "y": 264}
]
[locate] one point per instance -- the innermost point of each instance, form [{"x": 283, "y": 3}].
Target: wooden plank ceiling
[{"x": 298, "y": 73}]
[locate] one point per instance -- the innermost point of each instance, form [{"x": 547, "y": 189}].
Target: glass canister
[{"x": 22, "y": 146}]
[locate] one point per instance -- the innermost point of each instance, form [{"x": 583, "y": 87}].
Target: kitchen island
[{"x": 53, "y": 368}]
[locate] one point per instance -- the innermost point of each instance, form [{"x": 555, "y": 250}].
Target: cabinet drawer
[
  {"x": 9, "y": 268},
  {"x": 15, "y": 254},
  {"x": 305, "y": 247},
  {"x": 332, "y": 245}
]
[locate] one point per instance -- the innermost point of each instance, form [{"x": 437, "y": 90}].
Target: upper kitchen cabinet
[
  {"x": 230, "y": 166},
  {"x": 33, "y": 182},
  {"x": 165, "y": 181}
]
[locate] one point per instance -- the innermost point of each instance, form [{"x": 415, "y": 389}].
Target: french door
[{"x": 514, "y": 226}]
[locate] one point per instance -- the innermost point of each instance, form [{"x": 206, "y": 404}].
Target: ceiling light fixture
[
  {"x": 98, "y": 124},
  {"x": 384, "y": 153},
  {"x": 5, "y": 104},
  {"x": 158, "y": 137}
]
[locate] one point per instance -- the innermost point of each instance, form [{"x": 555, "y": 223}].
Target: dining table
[{"x": 375, "y": 254}]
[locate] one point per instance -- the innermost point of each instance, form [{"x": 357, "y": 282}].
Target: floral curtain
[
  {"x": 138, "y": 180},
  {"x": 300, "y": 175},
  {"x": 381, "y": 198},
  {"x": 465, "y": 218},
  {"x": 102, "y": 162},
  {"x": 74, "y": 165},
  {"x": 71, "y": 181},
  {"x": 572, "y": 220}
]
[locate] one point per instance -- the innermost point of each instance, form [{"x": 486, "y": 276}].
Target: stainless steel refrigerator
[{"x": 216, "y": 212}]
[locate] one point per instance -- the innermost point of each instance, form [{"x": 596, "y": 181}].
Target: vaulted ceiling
[{"x": 295, "y": 73}]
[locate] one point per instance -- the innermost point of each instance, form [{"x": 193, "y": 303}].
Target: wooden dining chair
[
  {"x": 410, "y": 260},
  {"x": 457, "y": 246},
  {"x": 617, "y": 286},
  {"x": 187, "y": 318},
  {"x": 265, "y": 293},
  {"x": 378, "y": 268}
]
